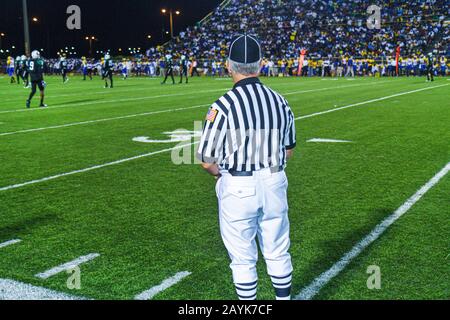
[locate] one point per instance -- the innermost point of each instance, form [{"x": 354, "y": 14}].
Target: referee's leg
[
  {"x": 238, "y": 214},
  {"x": 273, "y": 234}
]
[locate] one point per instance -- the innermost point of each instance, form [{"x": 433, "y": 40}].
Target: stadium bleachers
[{"x": 334, "y": 27}]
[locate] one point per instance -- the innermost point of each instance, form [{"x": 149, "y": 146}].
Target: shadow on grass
[
  {"x": 335, "y": 249},
  {"x": 74, "y": 102},
  {"x": 25, "y": 226}
]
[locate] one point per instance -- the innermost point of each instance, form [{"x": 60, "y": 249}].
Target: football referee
[{"x": 249, "y": 135}]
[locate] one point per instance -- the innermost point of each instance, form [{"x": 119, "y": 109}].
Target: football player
[
  {"x": 107, "y": 71},
  {"x": 36, "y": 69},
  {"x": 168, "y": 63},
  {"x": 17, "y": 69},
  {"x": 430, "y": 67},
  {"x": 24, "y": 61},
  {"x": 124, "y": 69},
  {"x": 443, "y": 63},
  {"x": 10, "y": 69},
  {"x": 84, "y": 68},
  {"x": 63, "y": 68},
  {"x": 138, "y": 69},
  {"x": 90, "y": 69},
  {"x": 184, "y": 68}
]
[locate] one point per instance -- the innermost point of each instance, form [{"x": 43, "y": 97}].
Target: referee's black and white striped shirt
[{"x": 248, "y": 129}]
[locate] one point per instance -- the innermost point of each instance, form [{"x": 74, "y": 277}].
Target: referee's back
[{"x": 248, "y": 129}]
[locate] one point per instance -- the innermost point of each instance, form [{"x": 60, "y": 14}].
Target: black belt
[{"x": 235, "y": 173}]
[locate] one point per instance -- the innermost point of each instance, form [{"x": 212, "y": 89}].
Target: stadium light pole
[
  {"x": 171, "y": 12},
  {"x": 2, "y": 35},
  {"x": 26, "y": 28},
  {"x": 90, "y": 39}
]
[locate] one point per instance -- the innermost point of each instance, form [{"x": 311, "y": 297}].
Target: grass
[{"x": 150, "y": 219}]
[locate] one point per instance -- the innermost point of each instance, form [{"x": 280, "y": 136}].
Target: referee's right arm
[
  {"x": 211, "y": 142},
  {"x": 291, "y": 138}
]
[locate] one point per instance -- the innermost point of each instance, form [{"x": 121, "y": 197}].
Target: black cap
[{"x": 245, "y": 49}]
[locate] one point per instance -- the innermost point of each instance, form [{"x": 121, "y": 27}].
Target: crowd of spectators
[{"x": 333, "y": 27}]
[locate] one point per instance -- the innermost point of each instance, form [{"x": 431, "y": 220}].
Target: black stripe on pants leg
[
  {"x": 246, "y": 289},
  {"x": 282, "y": 293},
  {"x": 281, "y": 284},
  {"x": 247, "y": 297},
  {"x": 283, "y": 277}
]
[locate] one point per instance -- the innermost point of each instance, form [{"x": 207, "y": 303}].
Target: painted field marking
[
  {"x": 10, "y": 242},
  {"x": 338, "y": 87},
  {"x": 311, "y": 290},
  {"x": 146, "y": 113},
  {"x": 168, "y": 95},
  {"x": 368, "y": 101},
  {"x": 101, "y": 120},
  {"x": 150, "y": 293},
  {"x": 127, "y": 90},
  {"x": 67, "y": 266},
  {"x": 14, "y": 290},
  {"x": 173, "y": 136},
  {"x": 108, "y": 101},
  {"x": 328, "y": 140},
  {"x": 19, "y": 185}
]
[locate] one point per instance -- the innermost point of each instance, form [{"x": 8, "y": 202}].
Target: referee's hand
[{"x": 211, "y": 168}]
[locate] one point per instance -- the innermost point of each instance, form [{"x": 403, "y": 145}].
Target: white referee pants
[{"x": 251, "y": 207}]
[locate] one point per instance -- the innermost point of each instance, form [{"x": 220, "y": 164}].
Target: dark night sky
[{"x": 116, "y": 23}]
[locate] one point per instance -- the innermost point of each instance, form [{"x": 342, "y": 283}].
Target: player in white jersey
[
  {"x": 409, "y": 67},
  {"x": 443, "y": 66}
]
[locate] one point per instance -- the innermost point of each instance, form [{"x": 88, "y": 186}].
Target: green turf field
[{"x": 65, "y": 194}]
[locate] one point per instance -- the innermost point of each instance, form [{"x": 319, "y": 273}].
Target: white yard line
[
  {"x": 328, "y": 140},
  {"x": 100, "y": 120},
  {"x": 67, "y": 266},
  {"x": 150, "y": 293},
  {"x": 109, "y": 101},
  {"x": 368, "y": 101},
  {"x": 126, "y": 90},
  {"x": 10, "y": 242},
  {"x": 337, "y": 87},
  {"x": 311, "y": 290},
  {"x": 148, "y": 113},
  {"x": 168, "y": 95},
  {"x": 19, "y": 185},
  {"x": 14, "y": 290}
]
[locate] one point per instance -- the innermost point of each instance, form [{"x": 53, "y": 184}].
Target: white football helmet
[
  {"x": 35, "y": 54},
  {"x": 24, "y": 57},
  {"x": 107, "y": 56},
  {"x": 18, "y": 58}
]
